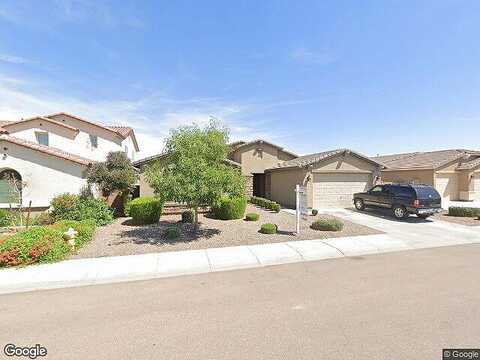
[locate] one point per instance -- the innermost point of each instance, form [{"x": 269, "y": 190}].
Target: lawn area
[{"x": 123, "y": 238}]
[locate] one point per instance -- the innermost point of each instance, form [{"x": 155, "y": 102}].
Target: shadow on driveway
[{"x": 386, "y": 214}]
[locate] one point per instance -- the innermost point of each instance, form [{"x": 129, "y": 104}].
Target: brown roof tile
[{"x": 426, "y": 160}]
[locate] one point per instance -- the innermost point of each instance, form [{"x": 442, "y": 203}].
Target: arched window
[{"x": 10, "y": 187}]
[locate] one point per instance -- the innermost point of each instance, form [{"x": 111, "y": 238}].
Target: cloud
[
  {"x": 13, "y": 59},
  {"x": 307, "y": 56}
]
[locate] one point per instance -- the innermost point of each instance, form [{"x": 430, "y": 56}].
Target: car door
[
  {"x": 374, "y": 196},
  {"x": 385, "y": 199}
]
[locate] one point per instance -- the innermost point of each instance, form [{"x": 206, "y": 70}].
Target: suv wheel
[
  {"x": 359, "y": 204},
  {"x": 400, "y": 212}
]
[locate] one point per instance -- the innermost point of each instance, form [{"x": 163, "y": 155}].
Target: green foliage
[
  {"x": 145, "y": 210},
  {"x": 115, "y": 174},
  {"x": 327, "y": 225},
  {"x": 172, "y": 233},
  {"x": 195, "y": 172},
  {"x": 126, "y": 205},
  {"x": 73, "y": 207},
  {"x": 230, "y": 208},
  {"x": 43, "y": 219},
  {"x": 187, "y": 216},
  {"x": 252, "y": 217},
  {"x": 463, "y": 211},
  {"x": 314, "y": 212},
  {"x": 265, "y": 203},
  {"x": 269, "y": 228},
  {"x": 7, "y": 218},
  {"x": 43, "y": 244}
]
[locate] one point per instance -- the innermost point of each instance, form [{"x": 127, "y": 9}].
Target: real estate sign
[{"x": 301, "y": 205}]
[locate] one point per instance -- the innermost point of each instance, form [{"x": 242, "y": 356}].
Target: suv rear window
[
  {"x": 427, "y": 192},
  {"x": 402, "y": 191}
]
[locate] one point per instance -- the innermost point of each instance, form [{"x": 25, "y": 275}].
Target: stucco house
[
  {"x": 454, "y": 173},
  {"x": 331, "y": 178},
  {"x": 49, "y": 155}
]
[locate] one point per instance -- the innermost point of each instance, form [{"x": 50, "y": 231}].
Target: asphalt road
[{"x": 405, "y": 305}]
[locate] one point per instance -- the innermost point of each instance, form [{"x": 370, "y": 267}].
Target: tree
[
  {"x": 195, "y": 171},
  {"x": 115, "y": 174}
]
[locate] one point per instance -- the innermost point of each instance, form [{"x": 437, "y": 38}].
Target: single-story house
[
  {"x": 44, "y": 156},
  {"x": 331, "y": 178},
  {"x": 454, "y": 173}
]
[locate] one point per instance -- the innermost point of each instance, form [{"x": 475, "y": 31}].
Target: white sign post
[{"x": 301, "y": 208}]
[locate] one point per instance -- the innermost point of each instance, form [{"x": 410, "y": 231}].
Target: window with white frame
[
  {"x": 42, "y": 137},
  {"x": 94, "y": 141}
]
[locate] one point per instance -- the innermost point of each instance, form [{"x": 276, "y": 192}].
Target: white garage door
[
  {"x": 447, "y": 186},
  {"x": 336, "y": 190},
  {"x": 476, "y": 186}
]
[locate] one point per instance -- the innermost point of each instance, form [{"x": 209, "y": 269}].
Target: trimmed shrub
[
  {"x": 314, "y": 212},
  {"x": 172, "y": 233},
  {"x": 269, "y": 229},
  {"x": 252, "y": 217},
  {"x": 6, "y": 218},
  {"x": 265, "y": 203},
  {"x": 230, "y": 208},
  {"x": 145, "y": 210},
  {"x": 187, "y": 216},
  {"x": 463, "y": 211},
  {"x": 327, "y": 225},
  {"x": 73, "y": 207},
  {"x": 42, "y": 219},
  {"x": 276, "y": 207}
]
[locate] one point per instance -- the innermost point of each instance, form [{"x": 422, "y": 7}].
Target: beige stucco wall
[
  {"x": 282, "y": 185},
  {"x": 258, "y": 157},
  {"x": 145, "y": 189},
  {"x": 404, "y": 176},
  {"x": 45, "y": 176}
]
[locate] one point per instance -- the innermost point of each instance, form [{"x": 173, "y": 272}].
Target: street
[{"x": 405, "y": 305}]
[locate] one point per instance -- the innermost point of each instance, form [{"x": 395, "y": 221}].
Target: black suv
[{"x": 421, "y": 200}]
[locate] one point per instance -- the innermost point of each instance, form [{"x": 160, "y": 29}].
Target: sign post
[{"x": 301, "y": 208}]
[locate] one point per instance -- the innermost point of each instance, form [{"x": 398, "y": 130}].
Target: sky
[{"x": 377, "y": 77}]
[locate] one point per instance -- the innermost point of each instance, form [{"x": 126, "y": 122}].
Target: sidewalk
[{"x": 83, "y": 272}]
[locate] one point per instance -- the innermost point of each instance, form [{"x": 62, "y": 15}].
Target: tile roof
[
  {"x": 311, "y": 159},
  {"x": 470, "y": 164},
  {"x": 53, "y": 121},
  {"x": 426, "y": 160},
  {"x": 46, "y": 149},
  {"x": 239, "y": 144}
]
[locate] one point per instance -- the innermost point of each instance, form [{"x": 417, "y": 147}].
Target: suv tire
[
  {"x": 359, "y": 204},
  {"x": 400, "y": 212}
]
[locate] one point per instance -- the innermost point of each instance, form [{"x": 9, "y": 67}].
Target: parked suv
[{"x": 421, "y": 200}]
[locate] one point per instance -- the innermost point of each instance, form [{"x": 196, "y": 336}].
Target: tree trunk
[{"x": 195, "y": 219}]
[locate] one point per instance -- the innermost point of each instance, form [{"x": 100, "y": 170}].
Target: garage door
[
  {"x": 336, "y": 190},
  {"x": 447, "y": 186},
  {"x": 476, "y": 186}
]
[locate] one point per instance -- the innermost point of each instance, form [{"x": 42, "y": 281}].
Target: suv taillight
[{"x": 416, "y": 203}]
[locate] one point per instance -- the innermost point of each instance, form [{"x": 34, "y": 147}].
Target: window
[
  {"x": 126, "y": 149},
  {"x": 377, "y": 189},
  {"x": 94, "y": 141},
  {"x": 10, "y": 187},
  {"x": 42, "y": 137}
]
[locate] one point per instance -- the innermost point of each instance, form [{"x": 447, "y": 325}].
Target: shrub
[
  {"x": 463, "y": 211},
  {"x": 73, "y": 207},
  {"x": 145, "y": 210},
  {"x": 126, "y": 205},
  {"x": 314, "y": 212},
  {"x": 230, "y": 208},
  {"x": 265, "y": 203},
  {"x": 42, "y": 219},
  {"x": 269, "y": 229},
  {"x": 327, "y": 225},
  {"x": 252, "y": 217},
  {"x": 6, "y": 218},
  {"x": 276, "y": 207},
  {"x": 85, "y": 229},
  {"x": 187, "y": 216},
  {"x": 172, "y": 233}
]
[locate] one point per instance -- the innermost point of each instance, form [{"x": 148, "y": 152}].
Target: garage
[
  {"x": 337, "y": 189},
  {"x": 448, "y": 186},
  {"x": 476, "y": 186}
]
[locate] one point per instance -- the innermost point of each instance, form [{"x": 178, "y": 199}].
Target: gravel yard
[
  {"x": 122, "y": 238},
  {"x": 469, "y": 221}
]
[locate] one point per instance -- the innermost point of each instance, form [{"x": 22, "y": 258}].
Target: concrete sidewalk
[{"x": 82, "y": 272}]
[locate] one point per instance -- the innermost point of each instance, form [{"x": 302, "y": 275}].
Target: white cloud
[{"x": 13, "y": 59}]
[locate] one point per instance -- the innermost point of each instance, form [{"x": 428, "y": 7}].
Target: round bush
[
  {"x": 314, "y": 212},
  {"x": 252, "y": 217},
  {"x": 172, "y": 233},
  {"x": 269, "y": 229},
  {"x": 230, "y": 208},
  {"x": 327, "y": 225},
  {"x": 145, "y": 210},
  {"x": 187, "y": 216},
  {"x": 275, "y": 207}
]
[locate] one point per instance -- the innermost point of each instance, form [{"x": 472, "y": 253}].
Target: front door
[{"x": 259, "y": 185}]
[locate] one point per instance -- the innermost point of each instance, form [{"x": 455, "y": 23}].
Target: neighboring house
[
  {"x": 255, "y": 157},
  {"x": 49, "y": 155},
  {"x": 331, "y": 178},
  {"x": 454, "y": 173}
]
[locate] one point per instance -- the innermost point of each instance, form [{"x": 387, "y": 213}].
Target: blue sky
[{"x": 375, "y": 76}]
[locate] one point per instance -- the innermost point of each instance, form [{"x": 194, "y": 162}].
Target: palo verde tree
[{"x": 195, "y": 171}]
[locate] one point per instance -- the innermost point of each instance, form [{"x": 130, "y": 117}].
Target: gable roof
[
  {"x": 240, "y": 144},
  {"x": 470, "y": 164},
  {"x": 422, "y": 160},
  {"x": 46, "y": 149},
  {"x": 7, "y": 124},
  {"x": 306, "y": 160},
  {"x": 122, "y": 131}
]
